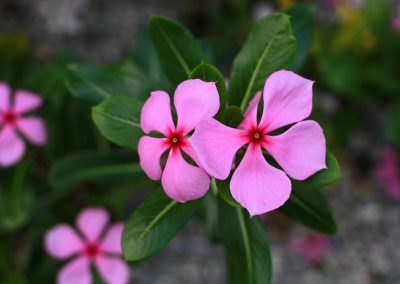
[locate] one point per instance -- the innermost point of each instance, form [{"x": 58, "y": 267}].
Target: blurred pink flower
[
  {"x": 194, "y": 100},
  {"x": 14, "y": 124},
  {"x": 300, "y": 151},
  {"x": 388, "y": 170},
  {"x": 311, "y": 247},
  {"x": 396, "y": 18},
  {"x": 92, "y": 244}
]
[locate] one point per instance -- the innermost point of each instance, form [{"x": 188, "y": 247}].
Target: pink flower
[
  {"x": 13, "y": 124},
  {"x": 388, "y": 170},
  {"x": 194, "y": 101},
  {"x": 311, "y": 247},
  {"x": 300, "y": 151},
  {"x": 91, "y": 245},
  {"x": 396, "y": 18}
]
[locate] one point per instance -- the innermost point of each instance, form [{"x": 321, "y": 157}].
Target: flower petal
[
  {"x": 156, "y": 114},
  {"x": 113, "y": 270},
  {"x": 112, "y": 240},
  {"x": 91, "y": 222},
  {"x": 26, "y": 101},
  {"x": 287, "y": 99},
  {"x": 250, "y": 115},
  {"x": 76, "y": 271},
  {"x": 258, "y": 186},
  {"x": 300, "y": 151},
  {"x": 216, "y": 145},
  {"x": 34, "y": 129},
  {"x": 5, "y": 93},
  {"x": 194, "y": 101},
  {"x": 62, "y": 241},
  {"x": 12, "y": 148},
  {"x": 182, "y": 181},
  {"x": 150, "y": 151}
]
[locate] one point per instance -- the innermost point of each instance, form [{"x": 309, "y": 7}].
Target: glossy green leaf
[
  {"x": 96, "y": 83},
  {"x": 246, "y": 246},
  {"x": 210, "y": 73},
  {"x": 153, "y": 225},
  {"x": 269, "y": 47},
  {"x": 118, "y": 119},
  {"x": 177, "y": 49},
  {"x": 111, "y": 166},
  {"x": 302, "y": 20}
]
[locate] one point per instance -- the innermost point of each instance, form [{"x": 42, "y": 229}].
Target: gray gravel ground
[{"x": 365, "y": 251}]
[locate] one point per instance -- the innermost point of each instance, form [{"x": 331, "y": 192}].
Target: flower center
[
  {"x": 176, "y": 140},
  {"x": 92, "y": 250},
  {"x": 10, "y": 118},
  {"x": 256, "y": 135}
]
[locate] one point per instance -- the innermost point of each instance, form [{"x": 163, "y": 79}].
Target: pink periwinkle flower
[
  {"x": 396, "y": 18},
  {"x": 14, "y": 124},
  {"x": 91, "y": 244},
  {"x": 300, "y": 151},
  {"x": 194, "y": 101},
  {"x": 388, "y": 170},
  {"x": 311, "y": 247}
]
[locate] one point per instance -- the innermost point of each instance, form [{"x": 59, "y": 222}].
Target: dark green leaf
[
  {"x": 269, "y": 47},
  {"x": 118, "y": 119},
  {"x": 225, "y": 192},
  {"x": 109, "y": 166},
  {"x": 246, "y": 246},
  {"x": 302, "y": 19},
  {"x": 96, "y": 83},
  {"x": 392, "y": 125},
  {"x": 232, "y": 116},
  {"x": 153, "y": 225},
  {"x": 177, "y": 49},
  {"x": 210, "y": 73}
]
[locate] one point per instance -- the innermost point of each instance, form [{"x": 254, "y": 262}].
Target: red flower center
[
  {"x": 92, "y": 250},
  {"x": 176, "y": 139},
  {"x": 256, "y": 135},
  {"x": 10, "y": 118}
]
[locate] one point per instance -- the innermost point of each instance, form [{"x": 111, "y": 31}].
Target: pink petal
[
  {"x": 300, "y": 151},
  {"x": 216, "y": 145},
  {"x": 12, "y": 148},
  {"x": 194, "y": 101},
  {"x": 150, "y": 151},
  {"x": 182, "y": 181},
  {"x": 5, "y": 93},
  {"x": 287, "y": 99},
  {"x": 91, "y": 222},
  {"x": 112, "y": 240},
  {"x": 113, "y": 269},
  {"x": 77, "y": 271},
  {"x": 62, "y": 241},
  {"x": 156, "y": 114},
  {"x": 258, "y": 186},
  {"x": 34, "y": 129},
  {"x": 26, "y": 101},
  {"x": 250, "y": 115}
]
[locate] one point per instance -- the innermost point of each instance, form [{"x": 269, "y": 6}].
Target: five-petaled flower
[
  {"x": 13, "y": 124},
  {"x": 300, "y": 151},
  {"x": 194, "y": 100},
  {"x": 92, "y": 244}
]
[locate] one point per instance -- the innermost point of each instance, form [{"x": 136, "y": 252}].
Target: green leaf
[
  {"x": 96, "y": 83},
  {"x": 210, "y": 73},
  {"x": 392, "y": 125},
  {"x": 269, "y": 47},
  {"x": 302, "y": 19},
  {"x": 310, "y": 208},
  {"x": 118, "y": 119},
  {"x": 153, "y": 225},
  {"x": 177, "y": 49},
  {"x": 232, "y": 116},
  {"x": 109, "y": 166},
  {"x": 322, "y": 178},
  {"x": 225, "y": 192},
  {"x": 246, "y": 246}
]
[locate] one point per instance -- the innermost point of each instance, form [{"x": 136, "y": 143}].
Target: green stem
[{"x": 246, "y": 241}]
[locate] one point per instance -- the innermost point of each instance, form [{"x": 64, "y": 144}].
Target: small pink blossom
[
  {"x": 300, "y": 151},
  {"x": 194, "y": 101},
  {"x": 14, "y": 124},
  {"x": 91, "y": 244},
  {"x": 311, "y": 247},
  {"x": 396, "y": 18},
  {"x": 388, "y": 170}
]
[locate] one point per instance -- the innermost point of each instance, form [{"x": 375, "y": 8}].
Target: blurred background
[{"x": 354, "y": 59}]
